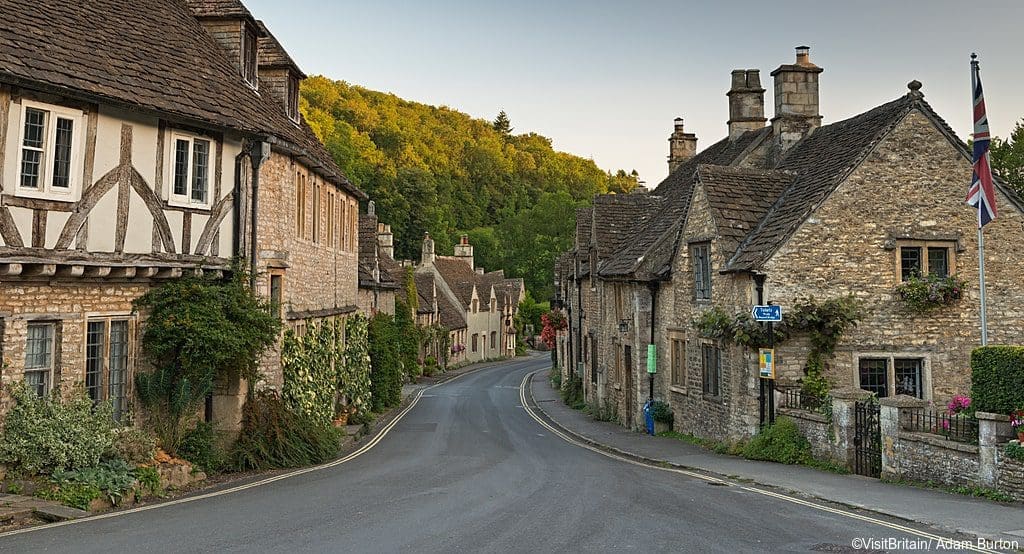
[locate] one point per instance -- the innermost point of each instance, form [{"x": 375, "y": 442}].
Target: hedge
[{"x": 997, "y": 379}]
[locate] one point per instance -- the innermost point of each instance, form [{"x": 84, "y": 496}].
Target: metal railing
[
  {"x": 795, "y": 399},
  {"x": 955, "y": 427}
]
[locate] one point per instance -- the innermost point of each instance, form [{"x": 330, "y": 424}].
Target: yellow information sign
[{"x": 766, "y": 363}]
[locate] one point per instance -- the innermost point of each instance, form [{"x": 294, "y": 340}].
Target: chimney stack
[
  {"x": 746, "y": 102},
  {"x": 427, "y": 257},
  {"x": 681, "y": 145},
  {"x": 464, "y": 250},
  {"x": 386, "y": 239},
  {"x": 796, "y": 101}
]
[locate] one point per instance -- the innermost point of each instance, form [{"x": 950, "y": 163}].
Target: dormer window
[
  {"x": 191, "y": 170},
  {"x": 49, "y": 161},
  {"x": 293, "y": 98},
  {"x": 249, "y": 56}
]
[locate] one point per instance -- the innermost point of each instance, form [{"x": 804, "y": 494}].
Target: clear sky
[{"x": 604, "y": 79}]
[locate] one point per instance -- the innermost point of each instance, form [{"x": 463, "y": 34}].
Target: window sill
[
  {"x": 712, "y": 398},
  {"x": 188, "y": 205},
  {"x": 69, "y": 197},
  {"x": 678, "y": 389}
]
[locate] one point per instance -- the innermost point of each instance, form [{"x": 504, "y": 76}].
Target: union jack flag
[{"x": 982, "y": 193}]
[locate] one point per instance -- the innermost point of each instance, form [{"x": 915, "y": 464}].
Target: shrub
[
  {"x": 199, "y": 446},
  {"x": 555, "y": 377},
  {"x": 430, "y": 366},
  {"x": 385, "y": 363},
  {"x": 782, "y": 442},
  {"x": 1014, "y": 450},
  {"x": 311, "y": 364},
  {"x": 997, "y": 378},
  {"x": 133, "y": 445},
  {"x": 198, "y": 330},
  {"x": 662, "y": 412},
  {"x": 76, "y": 495},
  {"x": 275, "y": 437},
  {"x": 42, "y": 435},
  {"x": 148, "y": 479},
  {"x": 77, "y": 488},
  {"x": 572, "y": 393},
  {"x": 355, "y": 373}
]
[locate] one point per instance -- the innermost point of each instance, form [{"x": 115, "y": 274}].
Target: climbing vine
[
  {"x": 311, "y": 365},
  {"x": 354, "y": 384},
  {"x": 824, "y": 323}
]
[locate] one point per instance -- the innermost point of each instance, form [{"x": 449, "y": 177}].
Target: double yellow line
[{"x": 820, "y": 507}]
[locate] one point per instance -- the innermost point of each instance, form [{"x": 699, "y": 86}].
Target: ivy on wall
[{"x": 354, "y": 383}]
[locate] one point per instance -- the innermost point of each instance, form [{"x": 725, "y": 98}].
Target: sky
[{"x": 604, "y": 79}]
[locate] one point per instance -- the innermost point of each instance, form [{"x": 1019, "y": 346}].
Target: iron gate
[{"x": 867, "y": 439}]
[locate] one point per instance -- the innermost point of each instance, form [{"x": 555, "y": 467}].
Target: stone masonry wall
[
  {"x": 910, "y": 187},
  {"x": 1011, "y": 475},
  {"x": 928, "y": 458},
  {"x": 818, "y": 432}
]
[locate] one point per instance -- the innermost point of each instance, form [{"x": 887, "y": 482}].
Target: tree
[
  {"x": 502, "y": 124},
  {"x": 622, "y": 182},
  {"x": 1008, "y": 158}
]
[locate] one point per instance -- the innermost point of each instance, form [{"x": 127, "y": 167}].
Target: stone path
[{"x": 15, "y": 508}]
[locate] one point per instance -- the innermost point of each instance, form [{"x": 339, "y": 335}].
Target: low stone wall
[
  {"x": 819, "y": 433},
  {"x": 930, "y": 458},
  {"x": 1010, "y": 475}
]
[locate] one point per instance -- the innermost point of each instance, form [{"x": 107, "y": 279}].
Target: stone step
[{"x": 59, "y": 512}]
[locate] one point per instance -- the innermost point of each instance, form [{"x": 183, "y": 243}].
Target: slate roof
[
  {"x": 739, "y": 198},
  {"x": 648, "y": 254},
  {"x": 370, "y": 256},
  {"x": 425, "y": 283},
  {"x": 459, "y": 276},
  {"x": 155, "y": 57},
  {"x": 451, "y": 316},
  {"x": 270, "y": 53},
  {"x": 616, "y": 216}
]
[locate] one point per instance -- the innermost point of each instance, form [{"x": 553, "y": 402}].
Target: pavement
[
  {"x": 468, "y": 467},
  {"x": 935, "y": 508}
]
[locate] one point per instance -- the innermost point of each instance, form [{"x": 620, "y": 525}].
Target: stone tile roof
[
  {"x": 739, "y": 198},
  {"x": 819, "y": 162},
  {"x": 371, "y": 257},
  {"x": 425, "y": 292},
  {"x": 648, "y": 255},
  {"x": 459, "y": 276},
  {"x": 156, "y": 57},
  {"x": 270, "y": 53},
  {"x": 616, "y": 216},
  {"x": 450, "y": 315},
  {"x": 517, "y": 285},
  {"x": 564, "y": 266}
]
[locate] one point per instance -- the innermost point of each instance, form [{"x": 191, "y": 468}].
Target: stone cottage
[
  {"x": 804, "y": 210},
  {"x": 485, "y": 303},
  {"x": 380, "y": 276},
  {"x": 116, "y": 175}
]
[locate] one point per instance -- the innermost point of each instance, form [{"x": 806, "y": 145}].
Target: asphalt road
[{"x": 468, "y": 469}]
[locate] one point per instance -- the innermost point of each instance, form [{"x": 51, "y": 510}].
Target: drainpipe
[
  {"x": 653, "y": 287},
  {"x": 759, "y": 279},
  {"x": 236, "y": 226},
  {"x": 579, "y": 317},
  {"x": 259, "y": 153}
]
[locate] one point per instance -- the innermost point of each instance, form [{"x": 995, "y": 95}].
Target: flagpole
[{"x": 981, "y": 233}]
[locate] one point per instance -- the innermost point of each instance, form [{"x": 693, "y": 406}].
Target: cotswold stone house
[
  {"x": 477, "y": 308},
  {"x": 380, "y": 276},
  {"x": 132, "y": 157},
  {"x": 850, "y": 208}
]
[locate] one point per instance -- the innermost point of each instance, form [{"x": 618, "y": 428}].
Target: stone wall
[
  {"x": 819, "y": 433},
  {"x": 1010, "y": 475},
  {"x": 927, "y": 458}
]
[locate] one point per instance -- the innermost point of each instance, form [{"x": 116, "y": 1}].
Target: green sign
[{"x": 652, "y": 358}]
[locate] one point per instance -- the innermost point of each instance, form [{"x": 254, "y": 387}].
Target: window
[
  {"x": 494, "y": 339},
  {"x": 249, "y": 65},
  {"x": 701, "y": 254},
  {"x": 276, "y": 292},
  {"x": 39, "y": 357},
  {"x": 353, "y": 214},
  {"x": 300, "y": 205},
  {"x": 915, "y": 256},
  {"x": 344, "y": 225},
  {"x": 316, "y": 212},
  {"x": 190, "y": 173},
  {"x": 293, "y": 97},
  {"x": 618, "y": 301},
  {"x": 49, "y": 152},
  {"x": 677, "y": 360},
  {"x": 475, "y": 340},
  {"x": 330, "y": 219},
  {"x": 107, "y": 362},
  {"x": 593, "y": 359},
  {"x": 906, "y": 376},
  {"x": 711, "y": 365}
]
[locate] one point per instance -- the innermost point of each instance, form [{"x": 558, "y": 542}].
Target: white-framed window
[
  {"x": 39, "y": 347},
  {"x": 49, "y": 152},
  {"x": 250, "y": 67},
  {"x": 108, "y": 361},
  {"x": 190, "y": 171}
]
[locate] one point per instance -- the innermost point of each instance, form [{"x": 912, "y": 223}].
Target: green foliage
[
  {"x": 198, "y": 330},
  {"x": 133, "y": 445},
  {"x": 312, "y": 364},
  {"x": 662, "y": 412},
  {"x": 997, "y": 379},
  {"x": 386, "y": 375},
  {"x": 274, "y": 437},
  {"x": 44, "y": 435},
  {"x": 921, "y": 295},
  {"x": 433, "y": 169},
  {"x": 408, "y": 339},
  {"x": 555, "y": 377},
  {"x": 1014, "y": 450},
  {"x": 740, "y": 329},
  {"x": 572, "y": 393},
  {"x": 199, "y": 446},
  {"x": 782, "y": 442},
  {"x": 601, "y": 412},
  {"x": 77, "y": 488},
  {"x": 149, "y": 480},
  {"x": 1008, "y": 158},
  {"x": 355, "y": 376},
  {"x": 430, "y": 366}
]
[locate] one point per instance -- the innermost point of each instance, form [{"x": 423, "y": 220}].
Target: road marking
[
  {"x": 715, "y": 480},
  {"x": 362, "y": 450}
]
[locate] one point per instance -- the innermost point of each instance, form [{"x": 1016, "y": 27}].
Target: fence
[
  {"x": 795, "y": 399},
  {"x": 955, "y": 427}
]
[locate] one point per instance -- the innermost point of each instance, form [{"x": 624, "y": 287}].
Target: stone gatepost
[
  {"x": 894, "y": 411},
  {"x": 993, "y": 429},
  {"x": 843, "y": 422}
]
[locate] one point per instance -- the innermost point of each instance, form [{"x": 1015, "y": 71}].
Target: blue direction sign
[{"x": 767, "y": 313}]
